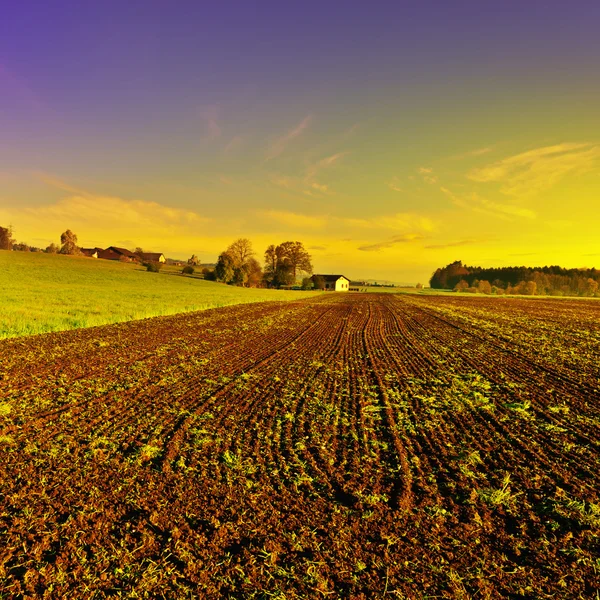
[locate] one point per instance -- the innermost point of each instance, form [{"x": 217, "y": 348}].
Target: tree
[
  {"x": 21, "y": 247},
  {"x": 225, "y": 268},
  {"x": 254, "y": 273},
  {"x": 284, "y": 275},
  {"x": 484, "y": 287},
  {"x": 297, "y": 257},
  {"x": 319, "y": 282},
  {"x": 194, "y": 261},
  {"x": 307, "y": 283},
  {"x": 209, "y": 274},
  {"x": 284, "y": 262},
  {"x": 419, "y": 286},
  {"x": 6, "y": 238},
  {"x": 461, "y": 286},
  {"x": 69, "y": 243},
  {"x": 274, "y": 261},
  {"x": 592, "y": 286},
  {"x": 52, "y": 248},
  {"x": 139, "y": 252},
  {"x": 240, "y": 251},
  {"x": 153, "y": 266}
]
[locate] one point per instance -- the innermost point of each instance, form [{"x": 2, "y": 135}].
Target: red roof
[
  {"x": 109, "y": 255},
  {"x": 151, "y": 256},
  {"x": 122, "y": 252}
]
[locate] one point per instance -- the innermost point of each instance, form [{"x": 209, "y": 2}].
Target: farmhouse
[
  {"x": 122, "y": 252},
  {"x": 153, "y": 257},
  {"x": 331, "y": 283},
  {"x": 109, "y": 255},
  {"x": 91, "y": 252}
]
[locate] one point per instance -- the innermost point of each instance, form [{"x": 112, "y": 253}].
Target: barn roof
[
  {"x": 122, "y": 251},
  {"x": 151, "y": 256},
  {"x": 108, "y": 254}
]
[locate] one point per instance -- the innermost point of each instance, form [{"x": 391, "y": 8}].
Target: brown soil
[{"x": 350, "y": 446}]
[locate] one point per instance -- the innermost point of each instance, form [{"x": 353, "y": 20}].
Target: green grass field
[{"x": 44, "y": 292}]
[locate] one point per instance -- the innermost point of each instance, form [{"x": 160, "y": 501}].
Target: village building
[
  {"x": 109, "y": 255},
  {"x": 332, "y": 283},
  {"x": 153, "y": 257},
  {"x": 122, "y": 252},
  {"x": 91, "y": 252}
]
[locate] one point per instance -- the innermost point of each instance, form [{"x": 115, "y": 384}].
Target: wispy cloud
[
  {"x": 324, "y": 163},
  {"x": 427, "y": 175},
  {"x": 531, "y": 172},
  {"x": 394, "y": 184},
  {"x": 116, "y": 213},
  {"x": 210, "y": 115},
  {"x": 280, "y": 144},
  {"x": 394, "y": 241},
  {"x": 96, "y": 216},
  {"x": 476, "y": 203},
  {"x": 450, "y": 245},
  {"x": 291, "y": 219},
  {"x": 473, "y": 153},
  {"x": 397, "y": 222},
  {"x": 234, "y": 144}
]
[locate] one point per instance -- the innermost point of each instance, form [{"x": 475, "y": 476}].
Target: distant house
[
  {"x": 332, "y": 283},
  {"x": 122, "y": 252},
  {"x": 91, "y": 252},
  {"x": 153, "y": 257},
  {"x": 109, "y": 255}
]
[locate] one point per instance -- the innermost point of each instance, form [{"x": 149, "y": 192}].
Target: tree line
[
  {"x": 283, "y": 264},
  {"x": 549, "y": 280},
  {"x": 68, "y": 243}
]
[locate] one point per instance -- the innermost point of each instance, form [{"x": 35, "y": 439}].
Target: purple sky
[{"x": 179, "y": 102}]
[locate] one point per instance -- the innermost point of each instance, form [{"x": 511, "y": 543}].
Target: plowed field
[{"x": 348, "y": 446}]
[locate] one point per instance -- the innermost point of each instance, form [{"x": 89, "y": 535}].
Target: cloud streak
[
  {"x": 450, "y": 245},
  {"x": 532, "y": 172},
  {"x": 210, "y": 116},
  {"x": 281, "y": 143},
  {"x": 291, "y": 219},
  {"x": 394, "y": 241},
  {"x": 476, "y": 203}
]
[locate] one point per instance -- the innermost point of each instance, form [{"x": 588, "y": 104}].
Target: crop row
[{"x": 349, "y": 445}]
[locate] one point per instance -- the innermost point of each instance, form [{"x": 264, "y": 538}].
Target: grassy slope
[{"x": 43, "y": 292}]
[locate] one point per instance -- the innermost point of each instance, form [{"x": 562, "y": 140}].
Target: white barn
[{"x": 332, "y": 283}]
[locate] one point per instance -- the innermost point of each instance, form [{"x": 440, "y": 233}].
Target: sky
[{"x": 391, "y": 138}]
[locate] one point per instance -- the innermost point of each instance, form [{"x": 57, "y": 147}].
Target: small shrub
[
  {"x": 153, "y": 267},
  {"x": 188, "y": 270}
]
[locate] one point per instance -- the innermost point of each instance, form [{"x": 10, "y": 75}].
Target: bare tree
[{"x": 194, "y": 261}]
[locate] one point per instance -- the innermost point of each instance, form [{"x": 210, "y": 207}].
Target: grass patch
[{"x": 45, "y": 292}]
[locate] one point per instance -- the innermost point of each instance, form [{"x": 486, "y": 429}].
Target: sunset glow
[{"x": 391, "y": 138}]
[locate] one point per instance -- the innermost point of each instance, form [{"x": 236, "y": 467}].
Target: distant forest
[{"x": 551, "y": 281}]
